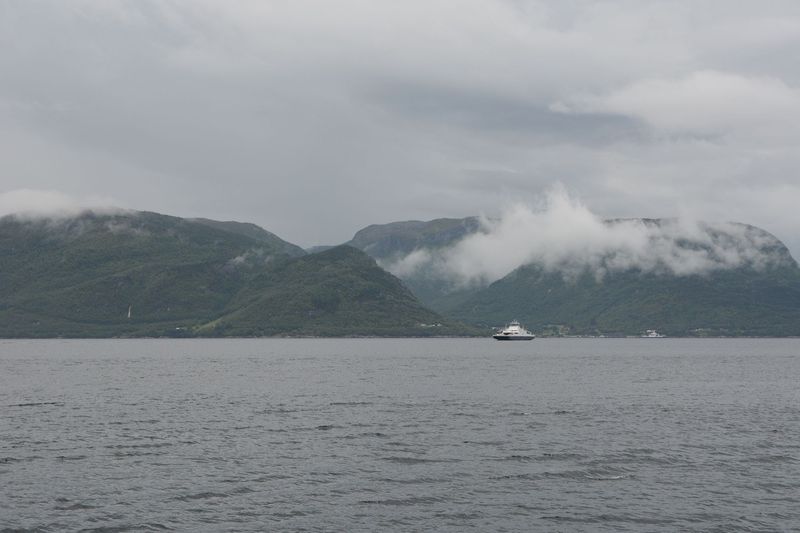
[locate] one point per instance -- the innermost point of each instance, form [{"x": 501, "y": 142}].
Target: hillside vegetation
[
  {"x": 738, "y": 299},
  {"x": 145, "y": 274},
  {"x": 727, "y": 303},
  {"x": 139, "y": 273}
]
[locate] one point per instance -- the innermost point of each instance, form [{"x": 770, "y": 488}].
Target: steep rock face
[
  {"x": 707, "y": 279},
  {"x": 139, "y": 273}
]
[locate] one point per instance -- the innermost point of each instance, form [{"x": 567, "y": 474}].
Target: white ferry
[
  {"x": 514, "y": 332},
  {"x": 652, "y": 334}
]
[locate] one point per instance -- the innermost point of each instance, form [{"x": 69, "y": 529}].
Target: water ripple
[{"x": 402, "y": 435}]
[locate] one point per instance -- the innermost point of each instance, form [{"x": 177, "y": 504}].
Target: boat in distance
[{"x": 514, "y": 332}]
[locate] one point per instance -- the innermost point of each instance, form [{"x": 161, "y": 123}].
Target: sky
[{"x": 315, "y": 118}]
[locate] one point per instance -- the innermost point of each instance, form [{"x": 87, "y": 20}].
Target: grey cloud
[
  {"x": 315, "y": 118},
  {"x": 492, "y": 114}
]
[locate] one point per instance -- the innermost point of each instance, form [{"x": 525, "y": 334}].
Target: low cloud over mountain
[{"x": 562, "y": 235}]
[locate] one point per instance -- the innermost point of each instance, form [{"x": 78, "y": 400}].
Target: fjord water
[{"x": 391, "y": 434}]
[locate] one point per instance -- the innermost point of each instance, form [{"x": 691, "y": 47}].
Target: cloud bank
[{"x": 563, "y": 235}]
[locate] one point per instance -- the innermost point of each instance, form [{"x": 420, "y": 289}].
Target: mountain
[
  {"x": 334, "y": 292},
  {"x": 729, "y": 303},
  {"x": 386, "y": 242},
  {"x": 254, "y": 232},
  {"x": 127, "y": 273},
  {"x": 140, "y": 273},
  {"x": 390, "y": 243},
  {"x": 755, "y": 293}
]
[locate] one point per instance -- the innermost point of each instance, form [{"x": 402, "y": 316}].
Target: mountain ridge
[
  {"x": 147, "y": 274},
  {"x": 747, "y": 282},
  {"x": 127, "y": 273}
]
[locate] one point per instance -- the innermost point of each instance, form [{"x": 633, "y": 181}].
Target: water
[{"x": 364, "y": 435}]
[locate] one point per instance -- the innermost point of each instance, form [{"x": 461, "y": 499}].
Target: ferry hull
[{"x": 513, "y": 337}]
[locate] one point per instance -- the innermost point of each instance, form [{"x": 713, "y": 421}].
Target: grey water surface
[{"x": 400, "y": 435}]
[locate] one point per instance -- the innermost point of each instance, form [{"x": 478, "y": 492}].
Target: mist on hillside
[
  {"x": 561, "y": 234},
  {"x": 33, "y": 204}
]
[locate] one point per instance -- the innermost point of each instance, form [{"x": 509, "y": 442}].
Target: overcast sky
[{"x": 317, "y": 118}]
